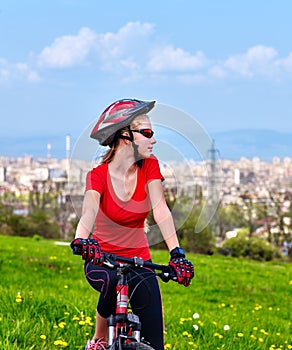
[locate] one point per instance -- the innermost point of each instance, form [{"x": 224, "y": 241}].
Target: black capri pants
[{"x": 144, "y": 295}]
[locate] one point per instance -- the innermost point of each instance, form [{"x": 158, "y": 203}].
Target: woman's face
[{"x": 145, "y": 145}]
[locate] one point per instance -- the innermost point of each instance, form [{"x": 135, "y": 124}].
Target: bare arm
[
  {"x": 183, "y": 268},
  {"x": 162, "y": 214},
  {"x": 89, "y": 211}
]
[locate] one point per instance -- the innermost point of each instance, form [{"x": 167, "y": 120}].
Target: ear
[{"x": 126, "y": 138}]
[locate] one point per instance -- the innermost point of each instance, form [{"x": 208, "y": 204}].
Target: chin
[{"x": 145, "y": 155}]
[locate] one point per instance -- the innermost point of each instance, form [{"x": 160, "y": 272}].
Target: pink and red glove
[
  {"x": 89, "y": 249},
  {"x": 183, "y": 268}
]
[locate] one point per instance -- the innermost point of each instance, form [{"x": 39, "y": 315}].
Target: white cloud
[
  {"x": 258, "y": 60},
  {"x": 4, "y": 71},
  {"x": 126, "y": 41},
  {"x": 134, "y": 52},
  {"x": 217, "y": 71},
  {"x": 68, "y": 50},
  {"x": 29, "y": 74},
  {"x": 286, "y": 63},
  {"x": 128, "y": 45},
  {"x": 17, "y": 71},
  {"x": 169, "y": 58}
]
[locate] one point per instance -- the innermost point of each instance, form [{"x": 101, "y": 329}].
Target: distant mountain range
[
  {"x": 264, "y": 144},
  {"x": 232, "y": 145}
]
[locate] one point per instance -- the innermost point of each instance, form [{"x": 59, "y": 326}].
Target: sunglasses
[{"x": 148, "y": 133}]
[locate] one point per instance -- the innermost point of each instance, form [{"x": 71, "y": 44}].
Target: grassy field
[{"x": 235, "y": 304}]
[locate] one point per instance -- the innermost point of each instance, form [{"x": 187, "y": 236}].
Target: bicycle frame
[{"x": 125, "y": 326}]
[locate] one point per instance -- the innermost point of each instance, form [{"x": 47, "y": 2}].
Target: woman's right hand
[{"x": 89, "y": 249}]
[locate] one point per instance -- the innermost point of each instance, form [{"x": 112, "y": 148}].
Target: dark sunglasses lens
[{"x": 147, "y": 133}]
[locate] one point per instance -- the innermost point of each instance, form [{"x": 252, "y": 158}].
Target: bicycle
[{"x": 124, "y": 326}]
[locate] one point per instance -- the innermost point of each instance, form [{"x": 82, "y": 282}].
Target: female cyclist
[{"x": 118, "y": 197}]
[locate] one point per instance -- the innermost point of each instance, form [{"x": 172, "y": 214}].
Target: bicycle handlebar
[{"x": 115, "y": 261}]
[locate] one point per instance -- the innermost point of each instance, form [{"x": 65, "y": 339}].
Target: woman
[{"x": 118, "y": 197}]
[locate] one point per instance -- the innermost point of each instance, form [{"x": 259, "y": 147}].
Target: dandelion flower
[
  {"x": 240, "y": 335},
  {"x": 44, "y": 337},
  {"x": 220, "y": 336},
  {"x": 196, "y": 315},
  {"x": 226, "y": 327},
  {"x": 60, "y": 342},
  {"x": 18, "y": 298},
  {"x": 167, "y": 346}
]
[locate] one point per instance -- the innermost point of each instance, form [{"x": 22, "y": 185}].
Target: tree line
[{"x": 51, "y": 214}]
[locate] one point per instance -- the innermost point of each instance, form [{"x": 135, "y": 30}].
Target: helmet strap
[
  {"x": 130, "y": 137},
  {"x": 137, "y": 157}
]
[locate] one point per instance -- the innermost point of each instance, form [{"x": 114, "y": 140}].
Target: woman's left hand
[{"x": 184, "y": 270}]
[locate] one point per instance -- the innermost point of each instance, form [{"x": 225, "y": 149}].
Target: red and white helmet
[{"x": 117, "y": 116}]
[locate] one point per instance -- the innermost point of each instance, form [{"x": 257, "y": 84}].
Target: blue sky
[{"x": 226, "y": 63}]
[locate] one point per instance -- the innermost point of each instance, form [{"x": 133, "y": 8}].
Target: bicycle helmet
[{"x": 117, "y": 116}]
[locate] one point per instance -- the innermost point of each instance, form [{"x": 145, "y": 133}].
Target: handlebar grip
[
  {"x": 76, "y": 250},
  {"x": 168, "y": 274}
]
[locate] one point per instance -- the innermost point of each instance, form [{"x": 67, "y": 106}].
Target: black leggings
[{"x": 144, "y": 294}]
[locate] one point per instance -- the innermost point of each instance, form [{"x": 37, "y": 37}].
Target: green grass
[{"x": 46, "y": 303}]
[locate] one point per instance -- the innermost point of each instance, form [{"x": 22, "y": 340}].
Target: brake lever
[
  {"x": 110, "y": 260},
  {"x": 167, "y": 275}
]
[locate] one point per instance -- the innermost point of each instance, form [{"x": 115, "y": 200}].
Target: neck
[{"x": 123, "y": 162}]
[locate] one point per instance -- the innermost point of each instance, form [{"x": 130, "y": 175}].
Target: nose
[{"x": 153, "y": 140}]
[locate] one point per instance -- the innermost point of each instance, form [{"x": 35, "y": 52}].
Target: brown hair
[{"x": 109, "y": 155}]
